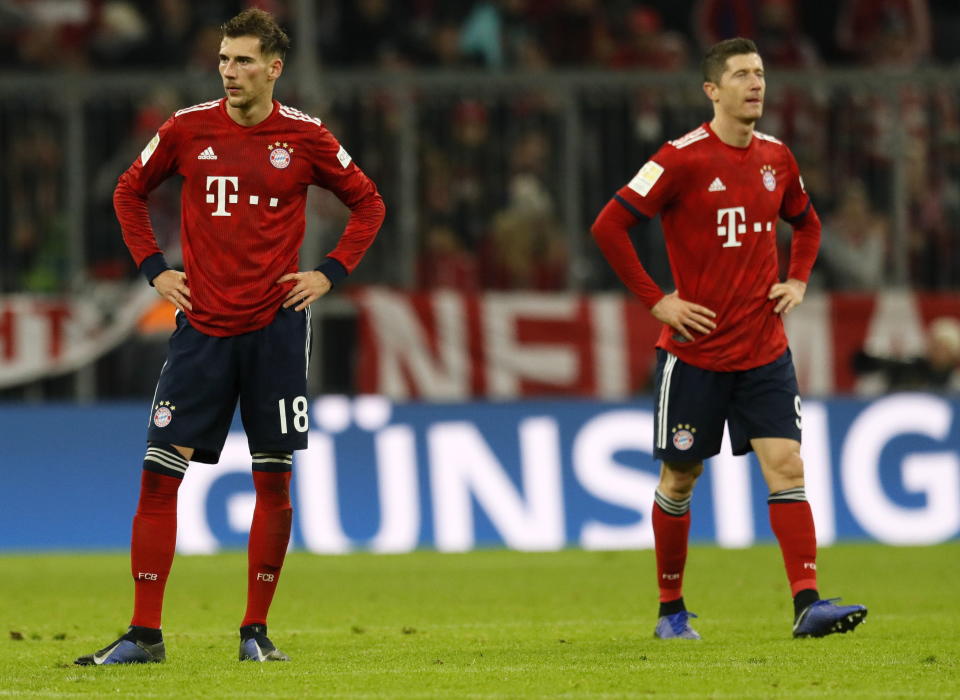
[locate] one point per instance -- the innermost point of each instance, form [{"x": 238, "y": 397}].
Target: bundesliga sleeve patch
[
  {"x": 148, "y": 151},
  {"x": 646, "y": 178},
  {"x": 343, "y": 157}
]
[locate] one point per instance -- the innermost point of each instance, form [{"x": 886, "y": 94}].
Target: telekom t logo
[
  {"x": 219, "y": 196},
  {"x": 731, "y": 222}
]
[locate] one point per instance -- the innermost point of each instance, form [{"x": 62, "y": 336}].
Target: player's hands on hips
[
  {"x": 684, "y": 316},
  {"x": 788, "y": 295},
  {"x": 172, "y": 286},
  {"x": 307, "y": 288}
]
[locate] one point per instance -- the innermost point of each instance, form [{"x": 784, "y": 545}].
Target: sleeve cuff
[
  {"x": 153, "y": 266},
  {"x": 333, "y": 270}
]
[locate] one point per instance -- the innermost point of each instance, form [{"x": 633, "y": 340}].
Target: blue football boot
[
  {"x": 676, "y": 626},
  {"x": 826, "y": 617},
  {"x": 255, "y": 646},
  {"x": 129, "y": 649}
]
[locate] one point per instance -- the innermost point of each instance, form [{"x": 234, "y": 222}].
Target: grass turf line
[{"x": 492, "y": 624}]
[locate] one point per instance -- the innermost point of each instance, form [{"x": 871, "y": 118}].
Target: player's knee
[
  {"x": 789, "y": 467},
  {"x": 677, "y": 479}
]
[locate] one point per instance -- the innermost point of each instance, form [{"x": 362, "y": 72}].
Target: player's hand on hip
[
  {"x": 684, "y": 316},
  {"x": 172, "y": 286},
  {"x": 788, "y": 295},
  {"x": 307, "y": 288}
]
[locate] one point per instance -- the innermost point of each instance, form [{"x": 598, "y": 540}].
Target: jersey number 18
[{"x": 299, "y": 408}]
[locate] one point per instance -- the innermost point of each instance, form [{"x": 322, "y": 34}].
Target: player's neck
[
  {"x": 732, "y": 132},
  {"x": 252, "y": 114}
]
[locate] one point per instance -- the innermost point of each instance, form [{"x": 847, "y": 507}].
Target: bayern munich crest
[
  {"x": 769, "y": 177},
  {"x": 163, "y": 414},
  {"x": 683, "y": 437},
  {"x": 280, "y": 154}
]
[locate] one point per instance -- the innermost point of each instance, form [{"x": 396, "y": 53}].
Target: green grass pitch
[{"x": 492, "y": 624}]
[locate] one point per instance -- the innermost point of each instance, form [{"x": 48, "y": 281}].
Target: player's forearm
[
  {"x": 610, "y": 231},
  {"x": 806, "y": 243},
  {"x": 138, "y": 235},
  {"x": 366, "y": 218}
]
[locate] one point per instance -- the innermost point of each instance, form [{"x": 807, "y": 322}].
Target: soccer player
[
  {"x": 722, "y": 355},
  {"x": 243, "y": 312}
]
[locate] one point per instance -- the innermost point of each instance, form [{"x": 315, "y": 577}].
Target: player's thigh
[
  {"x": 766, "y": 404},
  {"x": 689, "y": 410},
  {"x": 273, "y": 394},
  {"x": 196, "y": 393}
]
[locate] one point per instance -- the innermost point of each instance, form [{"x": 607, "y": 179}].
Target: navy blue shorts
[
  {"x": 205, "y": 375},
  {"x": 692, "y": 405}
]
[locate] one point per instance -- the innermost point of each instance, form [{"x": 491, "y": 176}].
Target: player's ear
[
  {"x": 710, "y": 90},
  {"x": 275, "y": 69}
]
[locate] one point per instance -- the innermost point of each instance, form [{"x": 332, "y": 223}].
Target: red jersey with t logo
[
  {"x": 242, "y": 207},
  {"x": 719, "y": 207}
]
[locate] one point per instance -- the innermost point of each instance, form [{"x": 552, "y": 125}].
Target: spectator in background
[
  {"x": 502, "y": 34},
  {"x": 525, "y": 248},
  {"x": 781, "y": 38},
  {"x": 436, "y": 197},
  {"x": 641, "y": 42},
  {"x": 892, "y": 33},
  {"x": 570, "y": 31},
  {"x": 205, "y": 41},
  {"x": 854, "y": 246},
  {"x": 774, "y": 25},
  {"x": 934, "y": 198},
  {"x": 474, "y": 168},
  {"x": 444, "y": 42},
  {"x": 716, "y": 20},
  {"x": 937, "y": 370},
  {"x": 368, "y": 29},
  {"x": 55, "y": 33},
  {"x": 121, "y": 31},
  {"x": 173, "y": 27},
  {"x": 36, "y": 255},
  {"x": 443, "y": 261}
]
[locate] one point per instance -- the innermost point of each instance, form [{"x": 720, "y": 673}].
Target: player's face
[
  {"x": 740, "y": 91},
  {"x": 247, "y": 74}
]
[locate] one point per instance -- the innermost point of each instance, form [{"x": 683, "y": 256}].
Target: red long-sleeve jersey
[
  {"x": 719, "y": 206},
  {"x": 242, "y": 201}
]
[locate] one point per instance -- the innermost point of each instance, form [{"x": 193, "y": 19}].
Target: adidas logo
[
  {"x": 715, "y": 186},
  {"x": 207, "y": 154}
]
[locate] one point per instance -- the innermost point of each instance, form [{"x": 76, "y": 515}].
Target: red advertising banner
[{"x": 445, "y": 345}]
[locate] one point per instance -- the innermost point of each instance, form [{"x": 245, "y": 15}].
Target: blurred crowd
[
  {"x": 491, "y": 34},
  {"x": 491, "y": 209}
]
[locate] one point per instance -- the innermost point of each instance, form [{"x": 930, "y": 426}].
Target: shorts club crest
[
  {"x": 682, "y": 439},
  {"x": 163, "y": 414}
]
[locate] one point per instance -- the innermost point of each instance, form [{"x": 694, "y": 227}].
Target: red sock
[
  {"x": 792, "y": 523},
  {"x": 152, "y": 545},
  {"x": 670, "y": 533},
  {"x": 269, "y": 536}
]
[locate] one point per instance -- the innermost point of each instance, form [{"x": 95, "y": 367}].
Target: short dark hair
[
  {"x": 715, "y": 62},
  {"x": 261, "y": 24}
]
